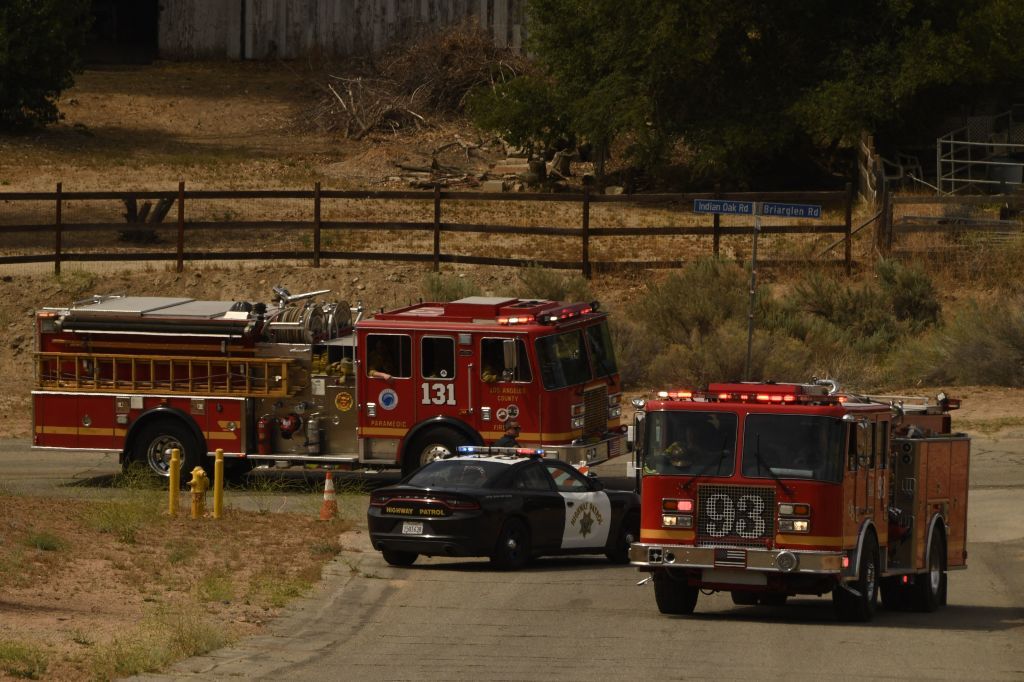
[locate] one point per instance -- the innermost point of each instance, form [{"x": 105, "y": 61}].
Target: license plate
[{"x": 412, "y": 528}]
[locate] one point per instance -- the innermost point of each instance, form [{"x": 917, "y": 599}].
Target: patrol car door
[
  {"x": 542, "y": 505},
  {"x": 588, "y": 512}
]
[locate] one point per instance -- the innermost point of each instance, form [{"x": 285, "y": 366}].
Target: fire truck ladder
[{"x": 238, "y": 377}]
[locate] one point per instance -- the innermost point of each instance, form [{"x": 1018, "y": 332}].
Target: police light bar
[{"x": 495, "y": 450}]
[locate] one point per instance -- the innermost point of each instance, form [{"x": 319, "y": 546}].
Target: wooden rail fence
[{"x": 835, "y": 203}]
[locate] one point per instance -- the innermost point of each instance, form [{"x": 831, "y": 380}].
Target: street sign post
[{"x": 772, "y": 209}]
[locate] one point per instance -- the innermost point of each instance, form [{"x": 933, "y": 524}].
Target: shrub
[
  {"x": 635, "y": 350},
  {"x": 911, "y": 292},
  {"x": 696, "y": 299},
  {"x": 721, "y": 356},
  {"x": 538, "y": 282},
  {"x": 439, "y": 286}
]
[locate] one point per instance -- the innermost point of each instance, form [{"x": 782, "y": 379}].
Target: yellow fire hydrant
[{"x": 199, "y": 484}]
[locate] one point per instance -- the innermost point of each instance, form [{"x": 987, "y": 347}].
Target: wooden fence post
[
  {"x": 316, "y": 226},
  {"x": 57, "y": 232},
  {"x": 437, "y": 227},
  {"x": 848, "y": 226},
  {"x": 181, "y": 226},
  {"x": 586, "y": 232}
]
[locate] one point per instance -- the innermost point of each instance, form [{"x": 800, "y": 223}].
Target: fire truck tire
[
  {"x": 434, "y": 444},
  {"x": 673, "y": 595},
  {"x": 740, "y": 598},
  {"x": 628, "y": 533},
  {"x": 860, "y": 607},
  {"x": 930, "y": 587},
  {"x": 398, "y": 558},
  {"x": 512, "y": 550},
  {"x": 156, "y": 439}
]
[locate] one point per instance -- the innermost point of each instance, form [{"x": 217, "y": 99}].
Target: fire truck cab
[
  {"x": 305, "y": 381},
  {"x": 769, "y": 490}
]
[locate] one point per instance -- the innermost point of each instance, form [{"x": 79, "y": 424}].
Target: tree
[
  {"x": 40, "y": 45},
  {"x": 739, "y": 83}
]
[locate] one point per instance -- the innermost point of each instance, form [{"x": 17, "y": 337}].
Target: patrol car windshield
[
  {"x": 690, "y": 443},
  {"x": 457, "y": 473},
  {"x": 563, "y": 360},
  {"x": 793, "y": 446}
]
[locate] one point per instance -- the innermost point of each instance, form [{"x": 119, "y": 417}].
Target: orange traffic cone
[{"x": 329, "y": 509}]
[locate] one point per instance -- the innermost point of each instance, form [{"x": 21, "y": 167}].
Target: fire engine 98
[
  {"x": 772, "y": 490},
  {"x": 301, "y": 381}
]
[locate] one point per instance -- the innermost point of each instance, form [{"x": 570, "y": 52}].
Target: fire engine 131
[
  {"x": 773, "y": 490},
  {"x": 301, "y": 381}
]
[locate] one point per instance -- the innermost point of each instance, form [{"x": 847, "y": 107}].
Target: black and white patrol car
[{"x": 504, "y": 503}]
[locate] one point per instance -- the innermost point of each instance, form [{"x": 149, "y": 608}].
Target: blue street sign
[
  {"x": 723, "y": 206},
  {"x": 775, "y": 209}
]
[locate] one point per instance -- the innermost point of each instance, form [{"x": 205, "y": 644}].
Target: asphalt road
[{"x": 583, "y": 619}]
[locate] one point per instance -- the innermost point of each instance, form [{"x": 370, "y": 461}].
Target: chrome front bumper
[
  {"x": 590, "y": 453},
  {"x": 784, "y": 561}
]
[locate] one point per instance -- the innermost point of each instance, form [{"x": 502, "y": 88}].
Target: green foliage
[
  {"x": 22, "y": 660},
  {"x": 689, "y": 304},
  {"x": 982, "y": 343},
  {"x": 40, "y": 41},
  {"x": 438, "y": 286},
  {"x": 544, "y": 283},
  {"x": 691, "y": 328},
  {"x": 746, "y": 82},
  {"x": 45, "y": 541}
]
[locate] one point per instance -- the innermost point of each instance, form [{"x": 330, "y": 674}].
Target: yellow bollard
[
  {"x": 174, "y": 484},
  {"x": 199, "y": 485},
  {"x": 218, "y": 484}
]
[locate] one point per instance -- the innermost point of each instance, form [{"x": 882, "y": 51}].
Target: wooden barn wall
[{"x": 290, "y": 29}]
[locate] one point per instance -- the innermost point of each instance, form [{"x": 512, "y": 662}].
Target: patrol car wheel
[
  {"x": 628, "y": 533},
  {"x": 397, "y": 558},
  {"x": 930, "y": 587},
  {"x": 435, "y": 444},
  {"x": 154, "y": 444},
  {"x": 673, "y": 595},
  {"x": 512, "y": 550}
]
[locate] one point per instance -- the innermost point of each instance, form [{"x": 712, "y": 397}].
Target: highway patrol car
[{"x": 508, "y": 504}]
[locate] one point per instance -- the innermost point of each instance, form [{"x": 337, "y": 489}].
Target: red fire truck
[
  {"x": 306, "y": 381},
  {"x": 769, "y": 490}
]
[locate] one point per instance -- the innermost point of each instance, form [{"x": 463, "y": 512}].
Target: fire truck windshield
[
  {"x": 563, "y": 360},
  {"x": 601, "y": 350},
  {"x": 690, "y": 443},
  {"x": 793, "y": 446}
]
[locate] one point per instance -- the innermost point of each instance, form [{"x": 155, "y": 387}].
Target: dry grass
[{"x": 88, "y": 599}]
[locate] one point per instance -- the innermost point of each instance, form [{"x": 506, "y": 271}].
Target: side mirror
[
  {"x": 596, "y": 484},
  {"x": 511, "y": 357}
]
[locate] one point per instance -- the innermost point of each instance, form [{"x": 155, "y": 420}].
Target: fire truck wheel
[
  {"x": 512, "y": 550},
  {"x": 673, "y": 595},
  {"x": 398, "y": 558},
  {"x": 435, "y": 444},
  {"x": 628, "y": 533},
  {"x": 860, "y": 607},
  {"x": 895, "y": 595},
  {"x": 930, "y": 587},
  {"x": 155, "y": 442}
]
